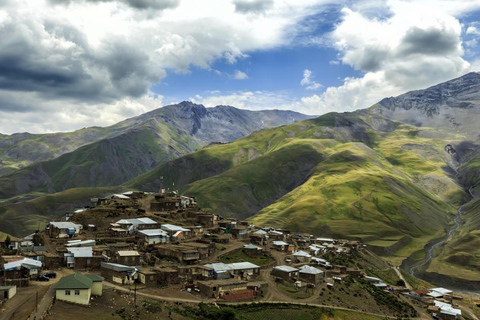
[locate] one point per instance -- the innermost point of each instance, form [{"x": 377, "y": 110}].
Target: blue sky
[{"x": 68, "y": 64}]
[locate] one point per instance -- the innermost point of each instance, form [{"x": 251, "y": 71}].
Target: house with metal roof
[
  {"x": 154, "y": 236},
  {"x": 63, "y": 229},
  {"x": 259, "y": 237},
  {"x": 252, "y": 250},
  {"x": 128, "y": 257},
  {"x": 176, "y": 232},
  {"x": 135, "y": 224},
  {"x": 244, "y": 270},
  {"x": 78, "y": 288},
  {"x": 311, "y": 274},
  {"x": 283, "y": 246},
  {"x": 285, "y": 272},
  {"x": 302, "y": 256},
  {"x": 82, "y": 258},
  {"x": 22, "y": 268},
  {"x": 119, "y": 273}
]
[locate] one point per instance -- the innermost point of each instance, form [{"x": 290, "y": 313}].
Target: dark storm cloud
[
  {"x": 252, "y": 6},
  {"x": 137, "y": 4},
  {"x": 56, "y": 62},
  {"x": 432, "y": 41},
  {"x": 371, "y": 58}
]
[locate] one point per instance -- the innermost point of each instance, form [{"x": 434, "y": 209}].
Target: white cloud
[
  {"x": 473, "y": 30},
  {"x": 68, "y": 114},
  {"x": 239, "y": 75},
  {"x": 75, "y": 53},
  {"x": 261, "y": 100},
  {"x": 308, "y": 82},
  {"x": 416, "y": 45}
]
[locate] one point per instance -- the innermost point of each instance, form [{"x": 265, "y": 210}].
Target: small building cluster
[{"x": 163, "y": 240}]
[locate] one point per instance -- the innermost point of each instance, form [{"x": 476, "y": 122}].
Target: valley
[{"x": 372, "y": 175}]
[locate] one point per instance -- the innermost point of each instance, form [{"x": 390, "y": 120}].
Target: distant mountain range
[
  {"x": 393, "y": 176},
  {"x": 95, "y": 157}
]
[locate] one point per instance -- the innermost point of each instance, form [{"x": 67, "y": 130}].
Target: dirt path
[
  {"x": 173, "y": 299},
  {"x": 400, "y": 275},
  {"x": 44, "y": 304}
]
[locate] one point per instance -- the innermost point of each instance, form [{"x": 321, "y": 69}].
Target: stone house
[{"x": 285, "y": 272}]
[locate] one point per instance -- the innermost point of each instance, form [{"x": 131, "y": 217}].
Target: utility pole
[{"x": 36, "y": 302}]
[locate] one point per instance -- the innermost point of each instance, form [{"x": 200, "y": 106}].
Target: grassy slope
[
  {"x": 22, "y": 218},
  {"x": 386, "y": 187},
  {"x": 104, "y": 163}
]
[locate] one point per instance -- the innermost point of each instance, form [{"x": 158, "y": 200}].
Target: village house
[
  {"x": 239, "y": 232},
  {"x": 228, "y": 289},
  {"x": 82, "y": 259},
  {"x": 228, "y": 224},
  {"x": 116, "y": 230},
  {"x": 276, "y": 235},
  {"x": 285, "y": 272},
  {"x": 243, "y": 270},
  {"x": 118, "y": 273},
  {"x": 377, "y": 282},
  {"x": 185, "y": 254},
  {"x": 118, "y": 246},
  {"x": 321, "y": 262},
  {"x": 439, "y": 292},
  {"x": 301, "y": 256},
  {"x": 148, "y": 277},
  {"x": 252, "y": 250},
  {"x": 311, "y": 274},
  {"x": 18, "y": 244},
  {"x": 169, "y": 202},
  {"x": 154, "y": 236},
  {"x": 176, "y": 233},
  {"x": 283, "y": 246},
  {"x": 259, "y": 237},
  {"x": 128, "y": 258},
  {"x": 25, "y": 268},
  {"x": 78, "y": 288},
  {"x": 168, "y": 277},
  {"x": 355, "y": 272},
  {"x": 63, "y": 229},
  {"x": 445, "y": 311},
  {"x": 204, "y": 249},
  {"x": 196, "y": 272},
  {"x": 132, "y": 225},
  {"x": 196, "y": 231}
]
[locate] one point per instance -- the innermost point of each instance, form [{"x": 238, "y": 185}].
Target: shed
[{"x": 7, "y": 292}]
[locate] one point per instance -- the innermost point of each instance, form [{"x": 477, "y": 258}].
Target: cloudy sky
[{"x": 68, "y": 64}]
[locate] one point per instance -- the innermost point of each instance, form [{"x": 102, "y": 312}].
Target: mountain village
[{"x": 163, "y": 246}]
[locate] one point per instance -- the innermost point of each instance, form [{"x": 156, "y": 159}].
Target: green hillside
[
  {"x": 24, "y": 217},
  {"x": 348, "y": 175}
]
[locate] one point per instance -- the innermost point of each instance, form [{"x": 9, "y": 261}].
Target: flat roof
[
  {"x": 128, "y": 253},
  {"x": 285, "y": 268},
  {"x": 153, "y": 232}
]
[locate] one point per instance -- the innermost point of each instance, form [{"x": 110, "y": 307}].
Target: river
[{"x": 418, "y": 268}]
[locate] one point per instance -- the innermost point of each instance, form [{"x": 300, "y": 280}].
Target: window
[
  {"x": 77, "y": 292},
  {"x": 67, "y": 292}
]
